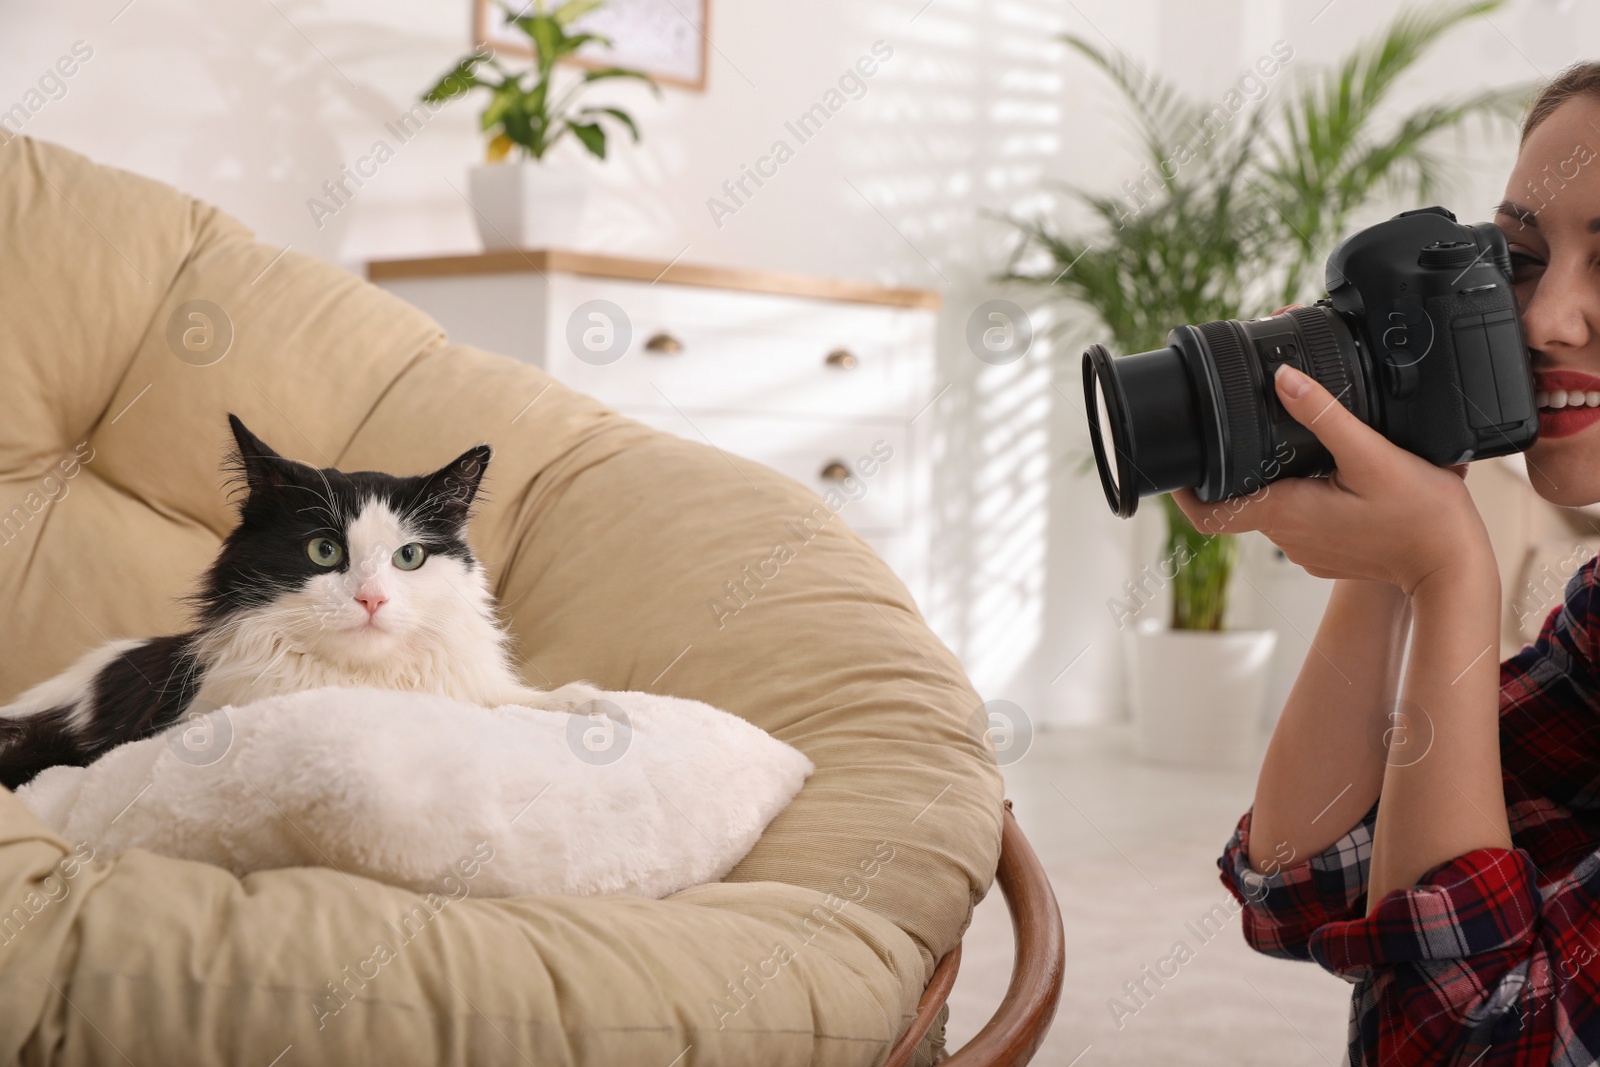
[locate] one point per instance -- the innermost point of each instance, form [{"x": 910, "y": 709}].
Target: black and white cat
[{"x": 329, "y": 579}]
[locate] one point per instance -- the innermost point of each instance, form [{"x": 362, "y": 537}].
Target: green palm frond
[
  {"x": 1160, "y": 112},
  {"x": 1337, "y": 147},
  {"x": 1403, "y": 161}
]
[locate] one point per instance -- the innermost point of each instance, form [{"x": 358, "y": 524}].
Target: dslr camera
[{"x": 1418, "y": 337}]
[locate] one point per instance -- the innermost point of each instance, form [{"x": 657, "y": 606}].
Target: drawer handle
[
  {"x": 663, "y": 344},
  {"x": 835, "y": 471},
  {"x": 842, "y": 358}
]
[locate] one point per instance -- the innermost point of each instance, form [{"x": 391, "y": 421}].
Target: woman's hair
[{"x": 1580, "y": 79}]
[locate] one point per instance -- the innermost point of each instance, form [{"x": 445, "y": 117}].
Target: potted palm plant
[
  {"x": 1237, "y": 228},
  {"x": 525, "y": 201}
]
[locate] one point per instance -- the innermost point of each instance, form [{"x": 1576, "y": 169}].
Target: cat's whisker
[{"x": 325, "y": 498}]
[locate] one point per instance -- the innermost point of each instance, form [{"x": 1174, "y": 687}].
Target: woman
[{"x": 1465, "y": 901}]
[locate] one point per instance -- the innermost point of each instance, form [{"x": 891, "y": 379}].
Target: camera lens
[
  {"x": 1103, "y": 433},
  {"x": 1144, "y": 422},
  {"x": 1202, "y": 412}
]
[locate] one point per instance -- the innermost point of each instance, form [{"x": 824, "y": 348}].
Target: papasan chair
[{"x": 603, "y": 538}]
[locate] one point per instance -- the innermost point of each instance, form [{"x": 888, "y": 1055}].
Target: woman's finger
[
  {"x": 1239, "y": 514},
  {"x": 1207, "y": 518},
  {"x": 1351, "y": 442},
  {"x": 1190, "y": 505}
]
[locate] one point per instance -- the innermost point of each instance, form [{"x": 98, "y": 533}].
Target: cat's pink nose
[{"x": 372, "y": 600}]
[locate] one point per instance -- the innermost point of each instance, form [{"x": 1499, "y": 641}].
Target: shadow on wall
[
  {"x": 975, "y": 124},
  {"x": 955, "y": 129},
  {"x": 259, "y": 131}
]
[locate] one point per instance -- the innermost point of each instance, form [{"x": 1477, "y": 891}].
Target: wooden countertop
[{"x": 549, "y": 260}]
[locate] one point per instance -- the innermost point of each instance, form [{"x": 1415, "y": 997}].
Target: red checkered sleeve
[
  {"x": 1454, "y": 969},
  {"x": 1549, "y": 731},
  {"x": 1493, "y": 957},
  {"x": 1282, "y": 908}
]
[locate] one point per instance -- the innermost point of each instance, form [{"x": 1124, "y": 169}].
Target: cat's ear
[
  {"x": 254, "y": 460},
  {"x": 449, "y": 491}
]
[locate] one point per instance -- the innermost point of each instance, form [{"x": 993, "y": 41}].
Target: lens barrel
[
  {"x": 1202, "y": 412},
  {"x": 1131, "y": 397}
]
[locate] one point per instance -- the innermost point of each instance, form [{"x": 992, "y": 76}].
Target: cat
[{"x": 328, "y": 579}]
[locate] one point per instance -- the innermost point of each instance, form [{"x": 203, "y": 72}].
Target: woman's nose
[{"x": 1562, "y": 311}]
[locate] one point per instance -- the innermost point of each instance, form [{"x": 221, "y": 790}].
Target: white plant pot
[
  {"x": 527, "y": 204},
  {"x": 1196, "y": 695}
]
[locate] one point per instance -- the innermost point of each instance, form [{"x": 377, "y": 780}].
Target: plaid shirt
[{"x": 1493, "y": 958}]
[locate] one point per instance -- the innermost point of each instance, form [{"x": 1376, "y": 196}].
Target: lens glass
[{"x": 1108, "y": 443}]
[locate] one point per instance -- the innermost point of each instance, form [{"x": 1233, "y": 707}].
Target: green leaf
[
  {"x": 1405, "y": 151},
  {"x": 520, "y": 128},
  {"x": 1162, "y": 116},
  {"x": 533, "y": 101},
  {"x": 545, "y": 36},
  {"x": 460, "y": 79},
  {"x": 552, "y": 43},
  {"x": 573, "y": 10},
  {"x": 592, "y": 136},
  {"x": 608, "y": 73},
  {"x": 616, "y": 113},
  {"x": 571, "y": 44},
  {"x": 505, "y": 96}
]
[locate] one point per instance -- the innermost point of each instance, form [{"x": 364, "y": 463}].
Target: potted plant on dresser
[
  {"x": 519, "y": 198},
  {"x": 1233, "y": 222}
]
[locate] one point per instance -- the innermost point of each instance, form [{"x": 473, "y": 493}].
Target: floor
[{"x": 1131, "y": 850}]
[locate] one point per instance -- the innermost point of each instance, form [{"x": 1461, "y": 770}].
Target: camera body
[
  {"x": 1418, "y": 337},
  {"x": 1432, "y": 298}
]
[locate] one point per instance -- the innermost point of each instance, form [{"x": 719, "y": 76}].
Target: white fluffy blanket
[{"x": 430, "y": 793}]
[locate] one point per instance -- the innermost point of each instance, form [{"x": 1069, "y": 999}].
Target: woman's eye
[
  {"x": 325, "y": 551},
  {"x": 1522, "y": 264},
  {"x": 409, "y": 557}
]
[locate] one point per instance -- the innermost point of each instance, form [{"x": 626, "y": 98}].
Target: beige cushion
[{"x": 608, "y": 543}]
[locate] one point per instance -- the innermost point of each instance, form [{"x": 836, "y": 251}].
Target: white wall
[{"x": 253, "y": 104}]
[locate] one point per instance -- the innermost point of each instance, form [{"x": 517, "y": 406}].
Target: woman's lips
[
  {"x": 1566, "y": 422},
  {"x": 1569, "y": 401}
]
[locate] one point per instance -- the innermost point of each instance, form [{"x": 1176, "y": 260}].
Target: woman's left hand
[{"x": 1384, "y": 514}]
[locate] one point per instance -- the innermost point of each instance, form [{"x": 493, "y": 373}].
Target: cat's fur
[{"x": 269, "y": 619}]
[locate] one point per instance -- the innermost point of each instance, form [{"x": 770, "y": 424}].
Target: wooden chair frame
[{"x": 1018, "y": 1026}]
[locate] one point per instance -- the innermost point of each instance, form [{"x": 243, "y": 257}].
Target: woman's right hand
[{"x": 1384, "y": 513}]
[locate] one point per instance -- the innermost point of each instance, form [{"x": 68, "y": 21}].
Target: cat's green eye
[
  {"x": 325, "y": 551},
  {"x": 409, "y": 557}
]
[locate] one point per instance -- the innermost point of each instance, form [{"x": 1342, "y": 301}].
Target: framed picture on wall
[{"x": 664, "y": 38}]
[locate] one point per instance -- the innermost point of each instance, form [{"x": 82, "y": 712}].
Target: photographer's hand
[
  {"x": 1390, "y": 516},
  {"x": 1384, "y": 513}
]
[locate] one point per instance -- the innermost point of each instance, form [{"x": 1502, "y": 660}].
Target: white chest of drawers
[{"x": 827, "y": 381}]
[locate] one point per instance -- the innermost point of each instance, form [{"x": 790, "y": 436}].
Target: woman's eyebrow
[
  {"x": 1529, "y": 217},
  {"x": 1526, "y": 215}
]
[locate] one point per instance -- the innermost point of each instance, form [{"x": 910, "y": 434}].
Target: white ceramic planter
[
  {"x": 1197, "y": 696},
  {"x": 526, "y": 204}
]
